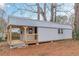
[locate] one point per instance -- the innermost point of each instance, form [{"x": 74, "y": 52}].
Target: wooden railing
[
  {"x": 28, "y": 38},
  {"x": 15, "y": 36},
  {"x": 32, "y": 36}
]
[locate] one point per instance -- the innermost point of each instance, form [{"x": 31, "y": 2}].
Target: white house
[{"x": 33, "y": 31}]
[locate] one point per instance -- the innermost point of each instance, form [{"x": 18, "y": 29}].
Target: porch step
[{"x": 17, "y": 44}]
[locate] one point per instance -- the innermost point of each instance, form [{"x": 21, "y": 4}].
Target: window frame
[{"x": 60, "y": 31}]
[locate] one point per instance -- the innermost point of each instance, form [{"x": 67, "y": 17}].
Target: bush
[
  {"x": 76, "y": 35},
  {"x": 1, "y": 39}
]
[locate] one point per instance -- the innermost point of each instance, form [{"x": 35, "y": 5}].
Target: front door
[{"x": 31, "y": 34}]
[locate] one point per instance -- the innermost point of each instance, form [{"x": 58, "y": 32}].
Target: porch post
[
  {"x": 25, "y": 33},
  {"x": 33, "y": 33},
  {"x": 10, "y": 34}
]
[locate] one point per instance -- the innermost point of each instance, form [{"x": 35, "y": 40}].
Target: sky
[{"x": 11, "y": 9}]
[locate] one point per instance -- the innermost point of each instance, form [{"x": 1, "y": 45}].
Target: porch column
[
  {"x": 25, "y": 33},
  {"x": 25, "y": 36},
  {"x": 10, "y": 34},
  {"x": 33, "y": 33}
]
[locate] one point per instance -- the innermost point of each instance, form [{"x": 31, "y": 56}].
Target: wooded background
[{"x": 63, "y": 13}]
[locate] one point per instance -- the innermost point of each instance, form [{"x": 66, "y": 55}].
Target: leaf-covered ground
[{"x": 57, "y": 48}]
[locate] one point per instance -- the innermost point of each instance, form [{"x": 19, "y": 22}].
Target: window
[
  {"x": 36, "y": 30},
  {"x": 60, "y": 31},
  {"x": 36, "y": 33},
  {"x": 30, "y": 30}
]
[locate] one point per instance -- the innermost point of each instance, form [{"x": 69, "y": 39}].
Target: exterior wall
[
  {"x": 46, "y": 30},
  {"x": 48, "y": 34}
]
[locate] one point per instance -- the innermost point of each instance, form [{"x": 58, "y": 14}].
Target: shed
[{"x": 33, "y": 31}]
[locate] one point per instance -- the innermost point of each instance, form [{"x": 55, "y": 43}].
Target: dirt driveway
[{"x": 57, "y": 48}]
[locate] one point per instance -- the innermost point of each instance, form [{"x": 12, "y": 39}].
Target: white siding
[
  {"x": 46, "y": 30},
  {"x": 47, "y": 34},
  {"x": 67, "y": 34}
]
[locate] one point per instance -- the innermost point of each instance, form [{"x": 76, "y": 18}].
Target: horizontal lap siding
[
  {"x": 48, "y": 34},
  {"x": 67, "y": 34}
]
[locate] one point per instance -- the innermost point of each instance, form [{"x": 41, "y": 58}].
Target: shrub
[
  {"x": 76, "y": 35},
  {"x": 1, "y": 39}
]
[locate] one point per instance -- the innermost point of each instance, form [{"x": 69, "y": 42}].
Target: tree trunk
[
  {"x": 41, "y": 12},
  {"x": 77, "y": 16},
  {"x": 76, "y": 22},
  {"x": 38, "y": 11},
  {"x": 45, "y": 12},
  {"x": 53, "y": 12}
]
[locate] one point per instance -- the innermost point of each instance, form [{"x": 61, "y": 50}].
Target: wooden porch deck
[{"x": 14, "y": 42}]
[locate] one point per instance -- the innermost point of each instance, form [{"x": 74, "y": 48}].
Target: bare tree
[
  {"x": 47, "y": 11},
  {"x": 38, "y": 10},
  {"x": 76, "y": 22},
  {"x": 53, "y": 12},
  {"x": 43, "y": 13}
]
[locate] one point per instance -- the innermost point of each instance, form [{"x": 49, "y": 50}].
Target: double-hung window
[{"x": 60, "y": 31}]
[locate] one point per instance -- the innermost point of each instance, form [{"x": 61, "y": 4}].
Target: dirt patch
[{"x": 57, "y": 48}]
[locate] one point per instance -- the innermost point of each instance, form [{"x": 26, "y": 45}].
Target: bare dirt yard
[{"x": 57, "y": 48}]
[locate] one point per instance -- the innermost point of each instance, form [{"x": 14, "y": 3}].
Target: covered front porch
[{"x": 21, "y": 35}]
